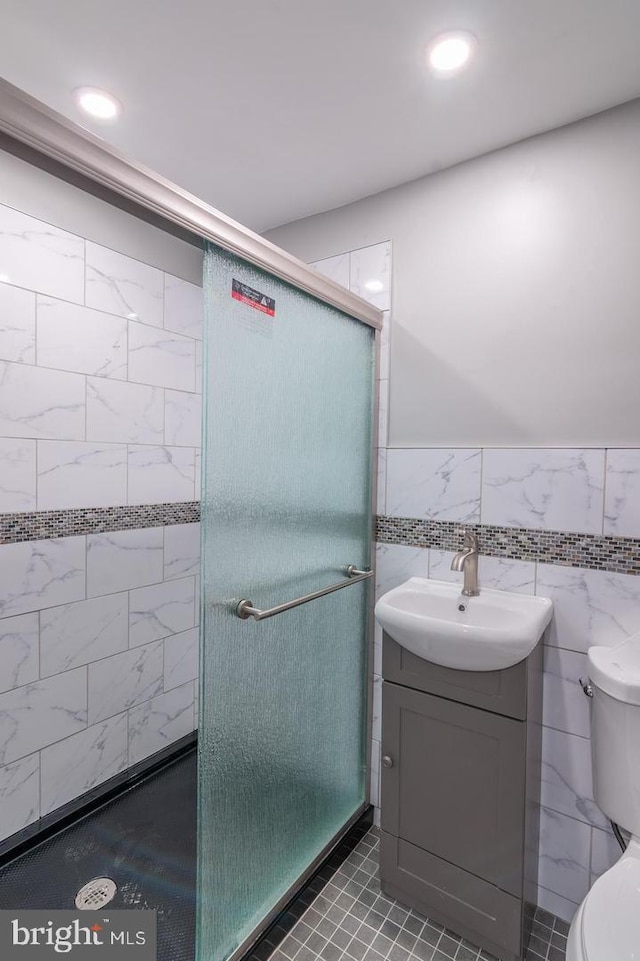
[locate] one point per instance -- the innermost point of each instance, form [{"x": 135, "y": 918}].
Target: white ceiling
[{"x": 275, "y": 109}]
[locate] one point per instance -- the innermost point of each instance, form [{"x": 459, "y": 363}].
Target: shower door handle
[{"x": 245, "y": 608}]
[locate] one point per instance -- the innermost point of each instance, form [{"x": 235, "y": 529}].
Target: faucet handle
[{"x": 470, "y": 538}]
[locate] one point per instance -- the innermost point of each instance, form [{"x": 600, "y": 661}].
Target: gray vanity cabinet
[{"x": 459, "y": 795}]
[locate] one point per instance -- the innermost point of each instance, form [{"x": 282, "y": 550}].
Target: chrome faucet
[{"x": 467, "y": 560}]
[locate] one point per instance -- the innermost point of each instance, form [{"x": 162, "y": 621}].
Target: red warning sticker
[{"x": 253, "y": 298}]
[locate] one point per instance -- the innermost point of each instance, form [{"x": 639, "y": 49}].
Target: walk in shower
[{"x": 284, "y": 592}]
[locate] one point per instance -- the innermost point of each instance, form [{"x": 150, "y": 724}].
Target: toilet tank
[{"x": 615, "y": 731}]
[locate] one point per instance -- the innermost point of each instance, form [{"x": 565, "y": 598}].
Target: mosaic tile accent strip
[
  {"x": 590, "y": 551},
  {"x": 43, "y": 525},
  {"x": 352, "y": 920}
]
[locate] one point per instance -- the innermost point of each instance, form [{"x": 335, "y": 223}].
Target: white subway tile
[
  {"x": 18, "y": 651},
  {"x": 121, "y": 560},
  {"x": 35, "y": 402},
  {"x": 589, "y": 607},
  {"x": 183, "y": 414},
  {"x": 183, "y": 306},
  {"x": 622, "y": 493},
  {"x": 181, "y": 550},
  {"x": 74, "y": 766},
  {"x": 370, "y": 275},
  {"x": 159, "y": 475},
  {"x": 75, "y": 634},
  {"x": 17, "y": 324},
  {"x": 564, "y": 855},
  {"x": 436, "y": 484},
  {"x": 19, "y": 795},
  {"x": 124, "y": 680},
  {"x": 159, "y": 722},
  {"x": 17, "y": 474},
  {"x": 560, "y": 490},
  {"x": 124, "y": 413},
  {"x": 181, "y": 658},
  {"x": 161, "y": 358},
  {"x": 565, "y": 707},
  {"x": 120, "y": 285},
  {"x": 71, "y": 337},
  {"x": 41, "y": 257},
  {"x": 41, "y": 713},
  {"x": 81, "y": 474},
  {"x": 160, "y": 610},
  {"x": 36, "y": 574},
  {"x": 335, "y": 268}
]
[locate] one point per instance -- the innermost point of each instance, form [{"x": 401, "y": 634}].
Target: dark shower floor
[{"x": 145, "y": 840}]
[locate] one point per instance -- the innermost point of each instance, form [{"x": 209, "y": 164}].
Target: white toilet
[{"x": 607, "y": 924}]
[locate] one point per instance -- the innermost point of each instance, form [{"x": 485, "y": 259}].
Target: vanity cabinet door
[{"x": 453, "y": 783}]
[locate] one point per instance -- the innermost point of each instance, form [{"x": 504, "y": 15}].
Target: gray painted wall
[{"x": 516, "y": 301}]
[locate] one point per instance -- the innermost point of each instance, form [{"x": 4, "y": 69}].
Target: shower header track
[{"x": 30, "y": 122}]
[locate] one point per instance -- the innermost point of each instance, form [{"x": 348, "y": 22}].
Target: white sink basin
[{"x": 493, "y": 631}]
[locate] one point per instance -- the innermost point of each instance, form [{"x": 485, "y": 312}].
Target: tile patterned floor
[{"x": 351, "y": 920}]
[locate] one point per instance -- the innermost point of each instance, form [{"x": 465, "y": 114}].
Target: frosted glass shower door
[{"x": 286, "y": 509}]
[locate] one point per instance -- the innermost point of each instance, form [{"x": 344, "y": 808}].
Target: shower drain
[{"x": 95, "y": 894}]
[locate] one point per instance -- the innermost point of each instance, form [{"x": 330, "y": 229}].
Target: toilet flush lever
[{"x": 586, "y": 686}]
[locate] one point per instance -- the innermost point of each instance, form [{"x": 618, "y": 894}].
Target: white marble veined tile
[
  {"x": 124, "y": 413},
  {"x": 183, "y": 414},
  {"x": 158, "y": 475},
  {"x": 560, "y": 490},
  {"x": 197, "y": 598},
  {"x": 556, "y": 904},
  {"x": 605, "y": 851},
  {"x": 500, "y": 573},
  {"x": 436, "y": 484},
  {"x": 41, "y": 713},
  {"x": 160, "y": 610},
  {"x": 19, "y": 794},
  {"x": 17, "y": 474},
  {"x": 198, "y": 474},
  {"x": 181, "y": 658},
  {"x": 181, "y": 550},
  {"x": 17, "y": 324},
  {"x": 383, "y": 414},
  {"x": 124, "y": 680},
  {"x": 120, "y": 285},
  {"x": 377, "y": 648},
  {"x": 564, "y": 706},
  {"x": 374, "y": 786},
  {"x": 71, "y": 337},
  {"x": 567, "y": 784},
  {"x": 395, "y": 563},
  {"x": 564, "y": 855},
  {"x": 160, "y": 722},
  {"x": 370, "y": 274},
  {"x": 382, "y": 481},
  {"x": 41, "y": 257},
  {"x": 121, "y": 560},
  {"x": 376, "y": 710},
  {"x": 183, "y": 306},
  {"x": 622, "y": 493},
  {"x": 161, "y": 358},
  {"x": 196, "y": 706},
  {"x": 35, "y": 402},
  {"x": 385, "y": 343},
  {"x": 36, "y": 574},
  {"x": 81, "y": 762},
  {"x": 76, "y": 634},
  {"x": 590, "y": 607},
  {"x": 18, "y": 651},
  {"x": 335, "y": 268},
  {"x": 199, "y": 349},
  {"x": 81, "y": 474}
]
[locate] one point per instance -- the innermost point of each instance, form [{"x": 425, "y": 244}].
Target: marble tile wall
[{"x": 99, "y": 407}]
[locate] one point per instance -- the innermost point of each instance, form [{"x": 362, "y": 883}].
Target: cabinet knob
[{"x": 387, "y": 761}]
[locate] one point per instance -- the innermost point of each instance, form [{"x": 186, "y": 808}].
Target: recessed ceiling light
[
  {"x": 375, "y": 286},
  {"x": 97, "y": 103},
  {"x": 449, "y": 52}
]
